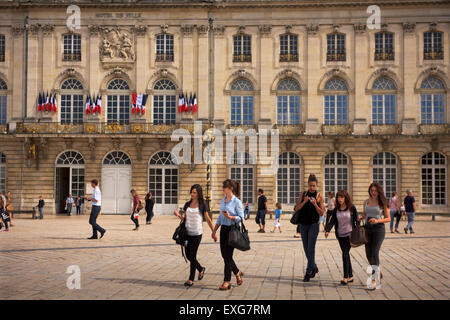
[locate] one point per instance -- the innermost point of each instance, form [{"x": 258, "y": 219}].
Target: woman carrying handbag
[
  {"x": 231, "y": 212},
  {"x": 137, "y": 206},
  {"x": 343, "y": 218}
]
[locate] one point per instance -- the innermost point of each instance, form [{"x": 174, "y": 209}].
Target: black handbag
[
  {"x": 180, "y": 237},
  {"x": 358, "y": 237},
  {"x": 295, "y": 219},
  {"x": 238, "y": 237}
]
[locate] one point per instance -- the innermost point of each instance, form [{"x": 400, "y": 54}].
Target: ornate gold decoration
[
  {"x": 434, "y": 129},
  {"x": 385, "y": 129},
  {"x": 336, "y": 129}
]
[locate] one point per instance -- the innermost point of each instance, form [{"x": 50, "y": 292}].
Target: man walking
[
  {"x": 410, "y": 208},
  {"x": 96, "y": 206},
  {"x": 69, "y": 204},
  {"x": 262, "y": 210}
]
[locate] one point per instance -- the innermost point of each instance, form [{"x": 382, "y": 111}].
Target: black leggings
[
  {"x": 344, "y": 243},
  {"x": 193, "y": 242},
  {"x": 149, "y": 215},
  {"x": 375, "y": 235},
  {"x": 136, "y": 221},
  {"x": 227, "y": 254}
]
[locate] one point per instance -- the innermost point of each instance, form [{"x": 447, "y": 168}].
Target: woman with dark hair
[
  {"x": 135, "y": 214},
  {"x": 394, "y": 209},
  {"x": 231, "y": 212},
  {"x": 311, "y": 204},
  {"x": 149, "y": 203},
  {"x": 373, "y": 211},
  {"x": 194, "y": 211},
  {"x": 343, "y": 218}
]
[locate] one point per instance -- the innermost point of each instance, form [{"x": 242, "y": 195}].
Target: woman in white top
[{"x": 194, "y": 211}]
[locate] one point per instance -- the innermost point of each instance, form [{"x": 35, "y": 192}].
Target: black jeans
[
  {"x": 375, "y": 235},
  {"x": 149, "y": 215},
  {"x": 309, "y": 234},
  {"x": 261, "y": 217},
  {"x": 344, "y": 243},
  {"x": 227, "y": 254},
  {"x": 136, "y": 221},
  {"x": 78, "y": 210},
  {"x": 193, "y": 242},
  {"x": 93, "y": 221}
]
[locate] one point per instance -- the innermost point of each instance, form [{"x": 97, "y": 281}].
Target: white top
[
  {"x": 97, "y": 195},
  {"x": 330, "y": 204},
  {"x": 194, "y": 222}
]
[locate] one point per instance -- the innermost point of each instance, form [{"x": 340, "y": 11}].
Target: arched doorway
[
  {"x": 163, "y": 181},
  {"x": 69, "y": 178},
  {"x": 116, "y": 183}
]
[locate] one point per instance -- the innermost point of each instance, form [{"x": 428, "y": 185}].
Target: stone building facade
[{"x": 352, "y": 103}]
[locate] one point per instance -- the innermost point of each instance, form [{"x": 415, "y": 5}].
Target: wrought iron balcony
[
  {"x": 72, "y": 56},
  {"x": 434, "y": 55},
  {"x": 2, "y": 57},
  {"x": 289, "y": 57},
  {"x": 290, "y": 129},
  {"x": 434, "y": 129},
  {"x": 3, "y": 129},
  {"x": 242, "y": 58},
  {"x": 164, "y": 57},
  {"x": 336, "y": 56},
  {"x": 336, "y": 129},
  {"x": 385, "y": 129},
  {"x": 384, "y": 56}
]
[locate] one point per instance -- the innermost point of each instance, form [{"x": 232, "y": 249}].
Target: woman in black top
[
  {"x": 311, "y": 204},
  {"x": 149, "y": 203},
  {"x": 343, "y": 218}
]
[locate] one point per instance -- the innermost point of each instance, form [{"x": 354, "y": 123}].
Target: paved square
[{"x": 146, "y": 264}]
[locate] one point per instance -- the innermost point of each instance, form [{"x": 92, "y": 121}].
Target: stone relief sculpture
[{"x": 116, "y": 45}]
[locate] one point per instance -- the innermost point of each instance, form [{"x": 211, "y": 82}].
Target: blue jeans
[
  {"x": 41, "y": 213},
  {"x": 397, "y": 217},
  {"x": 93, "y": 221},
  {"x": 246, "y": 214},
  {"x": 410, "y": 216},
  {"x": 309, "y": 235}
]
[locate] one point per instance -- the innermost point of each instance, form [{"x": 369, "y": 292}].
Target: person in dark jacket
[
  {"x": 149, "y": 204},
  {"x": 41, "y": 205},
  {"x": 343, "y": 218}
]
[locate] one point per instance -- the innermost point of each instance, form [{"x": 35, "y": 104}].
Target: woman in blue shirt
[{"x": 231, "y": 212}]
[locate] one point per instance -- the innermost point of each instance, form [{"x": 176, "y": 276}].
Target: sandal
[
  {"x": 225, "y": 286},
  {"x": 201, "y": 274},
  {"x": 239, "y": 278},
  {"x": 189, "y": 283}
]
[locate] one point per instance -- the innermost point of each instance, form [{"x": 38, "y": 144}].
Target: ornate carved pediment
[
  {"x": 433, "y": 26},
  {"x": 117, "y": 46},
  {"x": 241, "y": 30},
  {"x": 336, "y": 27},
  {"x": 164, "y": 28},
  {"x": 288, "y": 28}
]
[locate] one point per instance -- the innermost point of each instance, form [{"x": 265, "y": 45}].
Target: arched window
[
  {"x": 432, "y": 101},
  {"x": 434, "y": 179},
  {"x": 384, "y": 170},
  {"x": 163, "y": 179},
  {"x": 70, "y": 175},
  {"x": 164, "y": 102},
  {"x": 384, "y": 107},
  {"x": 288, "y": 102},
  {"x": 242, "y": 170},
  {"x": 117, "y": 158},
  {"x": 336, "y": 102},
  {"x": 3, "y": 101},
  {"x": 336, "y": 172},
  {"x": 288, "y": 178},
  {"x": 242, "y": 101},
  {"x": 2, "y": 172},
  {"x": 118, "y": 107},
  {"x": 72, "y": 102}
]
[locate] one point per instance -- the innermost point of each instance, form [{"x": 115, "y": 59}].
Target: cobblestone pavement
[{"x": 146, "y": 264}]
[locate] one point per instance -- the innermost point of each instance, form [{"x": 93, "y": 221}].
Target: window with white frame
[
  {"x": 288, "y": 102},
  {"x": 72, "y": 47},
  {"x": 72, "y": 102},
  {"x": 164, "y": 102},
  {"x": 164, "y": 48},
  {"x": 118, "y": 105},
  {"x": 75, "y": 162},
  {"x": 384, "y": 46},
  {"x": 2, "y": 172},
  {"x": 163, "y": 178},
  {"x": 336, "y": 172},
  {"x": 288, "y": 178},
  {"x": 336, "y": 47},
  {"x": 3, "y": 102},
  {"x": 288, "y": 48},
  {"x": 384, "y": 170},
  {"x": 242, "y": 170},
  {"x": 242, "y": 48},
  {"x": 434, "y": 179},
  {"x": 432, "y": 45},
  {"x": 432, "y": 101},
  {"x": 384, "y": 96},
  {"x": 336, "y": 102},
  {"x": 242, "y": 101}
]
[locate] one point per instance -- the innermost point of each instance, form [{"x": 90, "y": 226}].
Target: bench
[{"x": 32, "y": 212}]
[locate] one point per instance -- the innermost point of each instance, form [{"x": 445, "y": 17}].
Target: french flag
[{"x": 195, "y": 103}]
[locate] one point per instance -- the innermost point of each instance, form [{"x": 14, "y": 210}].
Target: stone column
[
  {"x": 313, "y": 73},
  {"x": 17, "y": 81},
  {"x": 266, "y": 74},
  {"x": 410, "y": 119},
  {"x": 33, "y": 70},
  {"x": 220, "y": 63},
  {"x": 203, "y": 72},
  {"x": 362, "y": 112}
]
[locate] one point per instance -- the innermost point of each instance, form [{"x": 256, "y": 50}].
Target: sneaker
[
  {"x": 411, "y": 231},
  {"x": 406, "y": 230}
]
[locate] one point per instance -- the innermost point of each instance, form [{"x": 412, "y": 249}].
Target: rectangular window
[
  {"x": 241, "y": 110},
  {"x": 2, "y": 48},
  {"x": 3, "y": 109},
  {"x": 383, "y": 109},
  {"x": 432, "y": 108},
  {"x": 164, "y": 48},
  {"x": 384, "y": 46},
  {"x": 72, "y": 47},
  {"x": 432, "y": 46},
  {"x": 288, "y": 48},
  {"x": 242, "y": 49},
  {"x": 245, "y": 177},
  {"x": 72, "y": 107},
  {"x": 164, "y": 109},
  {"x": 288, "y": 109},
  {"x": 335, "y": 109},
  {"x": 336, "y": 47},
  {"x": 118, "y": 109},
  {"x": 3, "y": 178}
]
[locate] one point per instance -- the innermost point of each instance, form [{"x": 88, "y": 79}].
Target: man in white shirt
[
  {"x": 96, "y": 206},
  {"x": 69, "y": 204}
]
